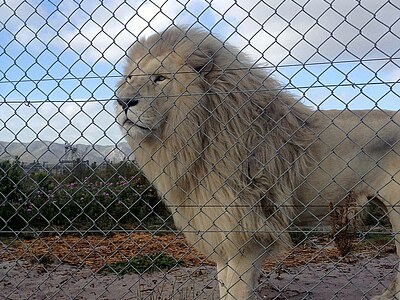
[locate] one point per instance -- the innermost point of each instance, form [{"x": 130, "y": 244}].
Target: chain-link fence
[{"x": 239, "y": 149}]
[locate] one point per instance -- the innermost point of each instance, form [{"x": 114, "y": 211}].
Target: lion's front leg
[
  {"x": 393, "y": 292},
  {"x": 237, "y": 279},
  {"x": 222, "y": 278},
  {"x": 390, "y": 198},
  {"x": 239, "y": 274}
]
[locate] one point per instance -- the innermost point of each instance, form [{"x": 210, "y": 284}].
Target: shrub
[{"x": 65, "y": 202}]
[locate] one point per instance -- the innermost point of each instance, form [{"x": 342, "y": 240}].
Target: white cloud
[
  {"x": 74, "y": 121},
  {"x": 15, "y": 7},
  {"x": 277, "y": 31},
  {"x": 93, "y": 30},
  {"x": 105, "y": 32},
  {"x": 289, "y": 31},
  {"x": 394, "y": 76}
]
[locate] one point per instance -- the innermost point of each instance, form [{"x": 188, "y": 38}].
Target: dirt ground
[{"x": 68, "y": 268}]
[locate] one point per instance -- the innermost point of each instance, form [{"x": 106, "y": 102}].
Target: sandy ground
[{"x": 356, "y": 278}]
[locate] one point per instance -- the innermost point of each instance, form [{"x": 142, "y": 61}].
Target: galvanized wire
[{"x": 75, "y": 209}]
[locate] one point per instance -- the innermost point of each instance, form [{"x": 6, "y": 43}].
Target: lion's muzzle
[{"x": 126, "y": 103}]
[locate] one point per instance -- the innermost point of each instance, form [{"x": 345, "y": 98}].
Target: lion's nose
[{"x": 127, "y": 102}]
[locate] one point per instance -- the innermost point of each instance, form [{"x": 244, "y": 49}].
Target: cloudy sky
[{"x": 60, "y": 60}]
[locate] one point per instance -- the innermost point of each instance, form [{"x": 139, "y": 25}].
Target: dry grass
[{"x": 97, "y": 252}]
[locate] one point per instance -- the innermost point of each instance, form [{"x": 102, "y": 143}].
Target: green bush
[
  {"x": 10, "y": 181},
  {"x": 46, "y": 201}
]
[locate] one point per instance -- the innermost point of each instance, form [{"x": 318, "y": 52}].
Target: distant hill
[{"x": 51, "y": 153}]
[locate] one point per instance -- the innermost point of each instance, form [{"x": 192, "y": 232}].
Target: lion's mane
[{"x": 238, "y": 137}]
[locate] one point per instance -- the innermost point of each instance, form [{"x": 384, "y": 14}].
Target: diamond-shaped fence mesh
[{"x": 199, "y": 149}]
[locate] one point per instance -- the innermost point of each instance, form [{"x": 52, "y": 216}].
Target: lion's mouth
[{"x": 129, "y": 123}]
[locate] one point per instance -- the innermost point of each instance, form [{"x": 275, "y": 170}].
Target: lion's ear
[
  {"x": 206, "y": 68},
  {"x": 201, "y": 61}
]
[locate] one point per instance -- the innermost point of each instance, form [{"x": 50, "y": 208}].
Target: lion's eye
[
  {"x": 158, "y": 78},
  {"x": 129, "y": 77}
]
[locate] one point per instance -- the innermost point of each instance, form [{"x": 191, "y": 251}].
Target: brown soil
[{"x": 65, "y": 267}]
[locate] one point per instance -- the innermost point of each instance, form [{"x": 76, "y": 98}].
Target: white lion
[{"x": 238, "y": 160}]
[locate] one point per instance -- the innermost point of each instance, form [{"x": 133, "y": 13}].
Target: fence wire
[{"x": 199, "y": 149}]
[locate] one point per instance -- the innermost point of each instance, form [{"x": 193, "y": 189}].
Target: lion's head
[{"x": 164, "y": 73}]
